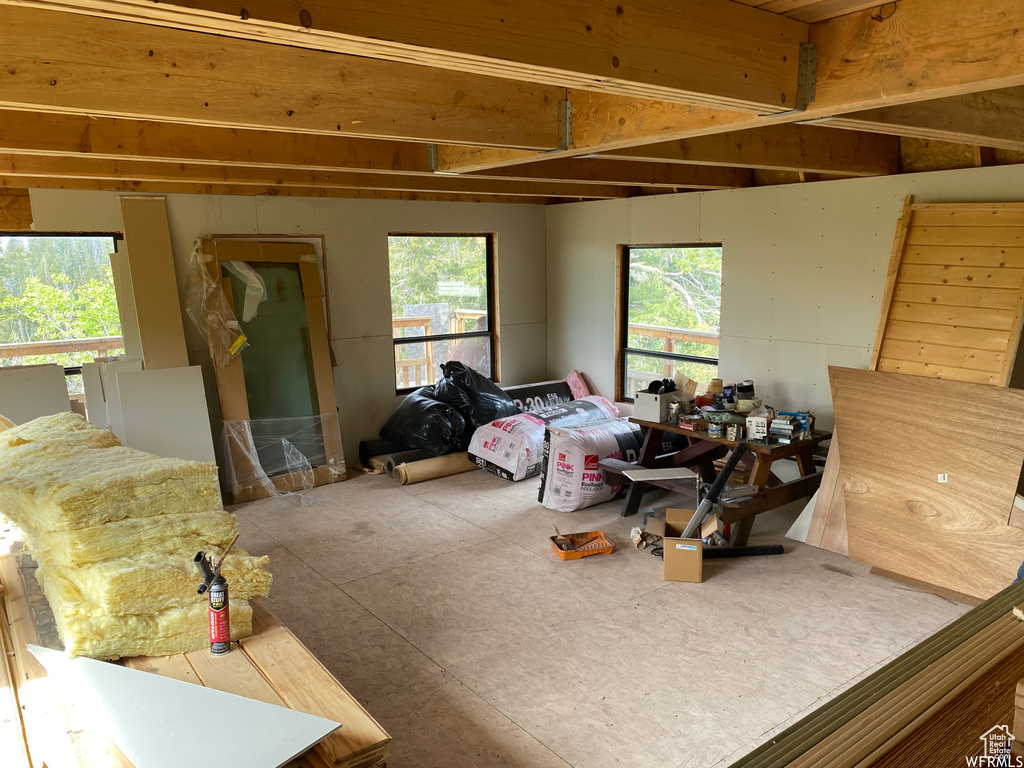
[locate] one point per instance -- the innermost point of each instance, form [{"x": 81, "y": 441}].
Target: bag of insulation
[
  {"x": 571, "y": 478},
  {"x": 512, "y": 448}
]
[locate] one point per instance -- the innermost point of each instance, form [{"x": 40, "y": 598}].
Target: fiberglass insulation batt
[
  {"x": 62, "y": 488},
  {"x": 87, "y": 631},
  {"x": 114, "y": 531}
]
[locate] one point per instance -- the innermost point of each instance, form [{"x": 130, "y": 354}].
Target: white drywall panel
[
  {"x": 665, "y": 219},
  {"x": 803, "y": 271},
  {"x": 108, "y": 373},
  {"x": 164, "y": 412},
  {"x": 581, "y": 243},
  {"x": 358, "y": 277},
  {"x": 518, "y": 345},
  {"x": 159, "y": 722},
  {"x": 121, "y": 270},
  {"x": 95, "y": 402},
  {"x": 30, "y": 391}
]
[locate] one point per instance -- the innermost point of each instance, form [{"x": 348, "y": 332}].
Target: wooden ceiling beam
[
  {"x": 991, "y": 119},
  {"x": 194, "y": 188},
  {"x": 13, "y": 166},
  {"x": 922, "y": 50},
  {"x": 109, "y": 138},
  {"x": 74, "y": 136},
  {"x": 783, "y": 148},
  {"x": 812, "y": 10},
  {"x": 733, "y": 57},
  {"x": 654, "y": 174},
  {"x": 73, "y": 64}
]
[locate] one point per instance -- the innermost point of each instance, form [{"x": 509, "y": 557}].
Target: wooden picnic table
[{"x": 700, "y": 453}]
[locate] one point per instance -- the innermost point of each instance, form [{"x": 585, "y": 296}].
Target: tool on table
[
  {"x": 217, "y": 586},
  {"x": 704, "y": 508}
]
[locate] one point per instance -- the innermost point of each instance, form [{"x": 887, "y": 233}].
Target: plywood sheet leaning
[
  {"x": 954, "y": 293},
  {"x": 154, "y": 285},
  {"x": 828, "y": 522},
  {"x": 902, "y": 517}
]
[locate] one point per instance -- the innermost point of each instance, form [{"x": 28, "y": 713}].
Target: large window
[
  {"x": 442, "y": 305},
  {"x": 668, "y": 322},
  {"x": 57, "y": 302}
]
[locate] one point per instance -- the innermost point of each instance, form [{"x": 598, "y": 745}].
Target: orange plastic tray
[{"x": 586, "y": 543}]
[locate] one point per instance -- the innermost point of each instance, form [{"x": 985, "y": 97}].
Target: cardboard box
[
  {"x": 684, "y": 558},
  {"x": 648, "y": 407},
  {"x": 757, "y": 427}
]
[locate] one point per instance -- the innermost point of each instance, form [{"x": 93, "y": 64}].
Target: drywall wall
[
  {"x": 803, "y": 270},
  {"x": 355, "y": 234}
]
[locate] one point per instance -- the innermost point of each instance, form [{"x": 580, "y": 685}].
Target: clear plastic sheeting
[
  {"x": 210, "y": 311},
  {"x": 284, "y": 457}
]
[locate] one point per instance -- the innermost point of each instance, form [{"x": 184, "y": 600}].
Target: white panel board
[
  {"x": 158, "y": 722},
  {"x": 30, "y": 391},
  {"x": 802, "y": 525},
  {"x": 164, "y": 412},
  {"x": 122, "y": 272},
  {"x": 95, "y": 402},
  {"x": 109, "y": 372}
]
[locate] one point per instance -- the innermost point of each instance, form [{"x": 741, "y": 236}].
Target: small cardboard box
[
  {"x": 648, "y": 407},
  {"x": 757, "y": 427},
  {"x": 684, "y": 558}
]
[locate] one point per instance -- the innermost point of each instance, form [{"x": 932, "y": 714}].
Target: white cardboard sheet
[
  {"x": 30, "y": 391},
  {"x": 158, "y": 722}
]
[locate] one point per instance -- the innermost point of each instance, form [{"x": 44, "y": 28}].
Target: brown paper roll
[{"x": 429, "y": 469}]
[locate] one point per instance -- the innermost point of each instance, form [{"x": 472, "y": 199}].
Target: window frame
[
  {"x": 116, "y": 237},
  {"x": 622, "y": 348},
  {"x": 490, "y": 286}
]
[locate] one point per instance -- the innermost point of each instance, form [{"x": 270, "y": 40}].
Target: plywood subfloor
[{"x": 445, "y": 612}]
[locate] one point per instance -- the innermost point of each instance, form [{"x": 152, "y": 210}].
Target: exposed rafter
[
  {"x": 923, "y": 50},
  {"x": 991, "y": 118},
  {"x": 74, "y": 136},
  {"x": 733, "y": 57},
  {"x": 13, "y": 166},
  {"x": 73, "y": 64},
  {"x": 108, "y": 138},
  {"x": 654, "y": 174},
  {"x": 192, "y": 188},
  {"x": 783, "y": 147}
]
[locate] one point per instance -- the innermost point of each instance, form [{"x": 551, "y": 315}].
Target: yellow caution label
[{"x": 237, "y": 344}]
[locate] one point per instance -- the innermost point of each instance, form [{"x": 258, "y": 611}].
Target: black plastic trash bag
[
  {"x": 420, "y": 421},
  {"x": 477, "y": 398}
]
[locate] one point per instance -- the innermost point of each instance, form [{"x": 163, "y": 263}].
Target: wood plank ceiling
[{"x": 538, "y": 101}]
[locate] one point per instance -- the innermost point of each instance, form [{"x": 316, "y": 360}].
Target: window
[
  {"x": 442, "y": 287},
  {"x": 57, "y": 302},
  {"x": 668, "y": 322}
]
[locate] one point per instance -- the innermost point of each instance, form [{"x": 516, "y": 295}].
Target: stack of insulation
[{"x": 114, "y": 531}]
